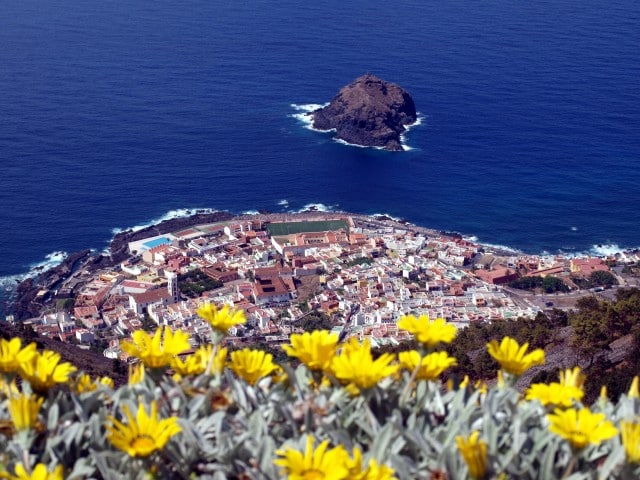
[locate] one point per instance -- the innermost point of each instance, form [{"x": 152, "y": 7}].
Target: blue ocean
[{"x": 118, "y": 114}]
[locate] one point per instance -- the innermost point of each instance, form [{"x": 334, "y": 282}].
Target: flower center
[
  {"x": 579, "y": 439},
  {"x": 313, "y": 474},
  {"x": 143, "y": 445}
]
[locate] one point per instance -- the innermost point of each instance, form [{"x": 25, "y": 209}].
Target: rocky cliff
[{"x": 368, "y": 112}]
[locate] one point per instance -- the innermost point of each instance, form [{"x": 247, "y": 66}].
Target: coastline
[{"x": 32, "y": 294}]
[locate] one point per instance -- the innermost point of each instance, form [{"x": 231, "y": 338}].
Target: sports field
[{"x": 287, "y": 228}]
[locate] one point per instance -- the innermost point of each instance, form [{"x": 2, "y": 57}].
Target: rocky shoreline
[{"x": 33, "y": 295}]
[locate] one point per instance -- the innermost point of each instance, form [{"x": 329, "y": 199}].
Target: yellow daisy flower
[
  {"x": 44, "y": 371},
  {"x": 427, "y": 332},
  {"x": 634, "y": 391},
  {"x": 581, "y": 427},
  {"x": 136, "y": 373},
  {"x": 356, "y": 367},
  {"x": 223, "y": 319},
  {"x": 252, "y": 365},
  {"x": 315, "y": 349},
  {"x": 12, "y": 355},
  {"x": 474, "y": 453},
  {"x": 511, "y": 356},
  {"x": 631, "y": 440},
  {"x": 572, "y": 377},
  {"x": 604, "y": 394},
  {"x": 554, "y": 394},
  {"x": 106, "y": 381},
  {"x": 197, "y": 363},
  {"x": 321, "y": 463},
  {"x": 159, "y": 350},
  {"x": 39, "y": 472},
  {"x": 144, "y": 434},
  {"x": 373, "y": 470},
  {"x": 84, "y": 383},
  {"x": 431, "y": 366},
  {"x": 8, "y": 388},
  {"x": 24, "y": 410}
]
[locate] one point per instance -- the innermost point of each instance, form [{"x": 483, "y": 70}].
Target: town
[{"x": 354, "y": 274}]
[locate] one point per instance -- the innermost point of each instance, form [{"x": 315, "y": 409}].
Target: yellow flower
[
  {"x": 12, "y": 355},
  {"x": 24, "y": 410},
  {"x": 106, "y": 381},
  {"x": 631, "y": 440},
  {"x": 8, "y": 388},
  {"x": 356, "y": 367},
  {"x": 634, "y": 392},
  {"x": 581, "y": 427},
  {"x": 84, "y": 383},
  {"x": 223, "y": 319},
  {"x": 315, "y": 349},
  {"x": 144, "y": 434},
  {"x": 279, "y": 375},
  {"x": 511, "y": 356},
  {"x": 39, "y": 472},
  {"x": 604, "y": 394},
  {"x": 554, "y": 394},
  {"x": 198, "y": 362},
  {"x": 474, "y": 453},
  {"x": 44, "y": 371},
  {"x": 429, "y": 333},
  {"x": 252, "y": 365},
  {"x": 564, "y": 393},
  {"x": 373, "y": 470},
  {"x": 136, "y": 373},
  {"x": 159, "y": 350},
  {"x": 318, "y": 464},
  {"x": 431, "y": 366},
  {"x": 572, "y": 377}
]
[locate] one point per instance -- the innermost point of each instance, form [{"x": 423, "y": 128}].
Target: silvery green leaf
[
  {"x": 53, "y": 417},
  {"x": 82, "y": 469}
]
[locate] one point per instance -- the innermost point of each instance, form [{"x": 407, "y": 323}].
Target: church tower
[{"x": 172, "y": 286}]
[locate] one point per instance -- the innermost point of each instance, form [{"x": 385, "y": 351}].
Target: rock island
[{"x": 369, "y": 112}]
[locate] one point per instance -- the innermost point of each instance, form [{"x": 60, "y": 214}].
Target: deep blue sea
[{"x": 115, "y": 114}]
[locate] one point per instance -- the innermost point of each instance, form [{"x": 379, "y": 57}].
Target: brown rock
[{"x": 368, "y": 112}]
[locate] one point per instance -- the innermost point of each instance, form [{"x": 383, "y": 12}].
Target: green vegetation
[
  {"x": 597, "y": 279},
  {"x": 315, "y": 320},
  {"x": 546, "y": 284},
  {"x": 631, "y": 269},
  {"x": 195, "y": 282},
  {"x": 359, "y": 261},
  {"x": 595, "y": 325},
  {"x": 64, "y": 304},
  {"x": 287, "y": 228}
]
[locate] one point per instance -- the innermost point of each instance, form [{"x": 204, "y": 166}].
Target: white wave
[
  {"x": 53, "y": 259},
  {"x": 316, "y": 207},
  {"x": 251, "y": 212},
  {"x": 284, "y": 203},
  {"x": 308, "y": 107},
  {"x": 396, "y": 219},
  {"x": 403, "y": 138},
  {"x": 501, "y": 247},
  {"x": 305, "y": 118},
  {"x": 471, "y": 238},
  {"x": 170, "y": 215},
  {"x": 604, "y": 250},
  {"x": 344, "y": 142},
  {"x": 574, "y": 229}
]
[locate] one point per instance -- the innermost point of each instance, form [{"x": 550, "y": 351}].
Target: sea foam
[
  {"x": 170, "y": 215},
  {"x": 316, "y": 207},
  {"x": 403, "y": 138},
  {"x": 304, "y": 117},
  {"x": 51, "y": 260}
]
